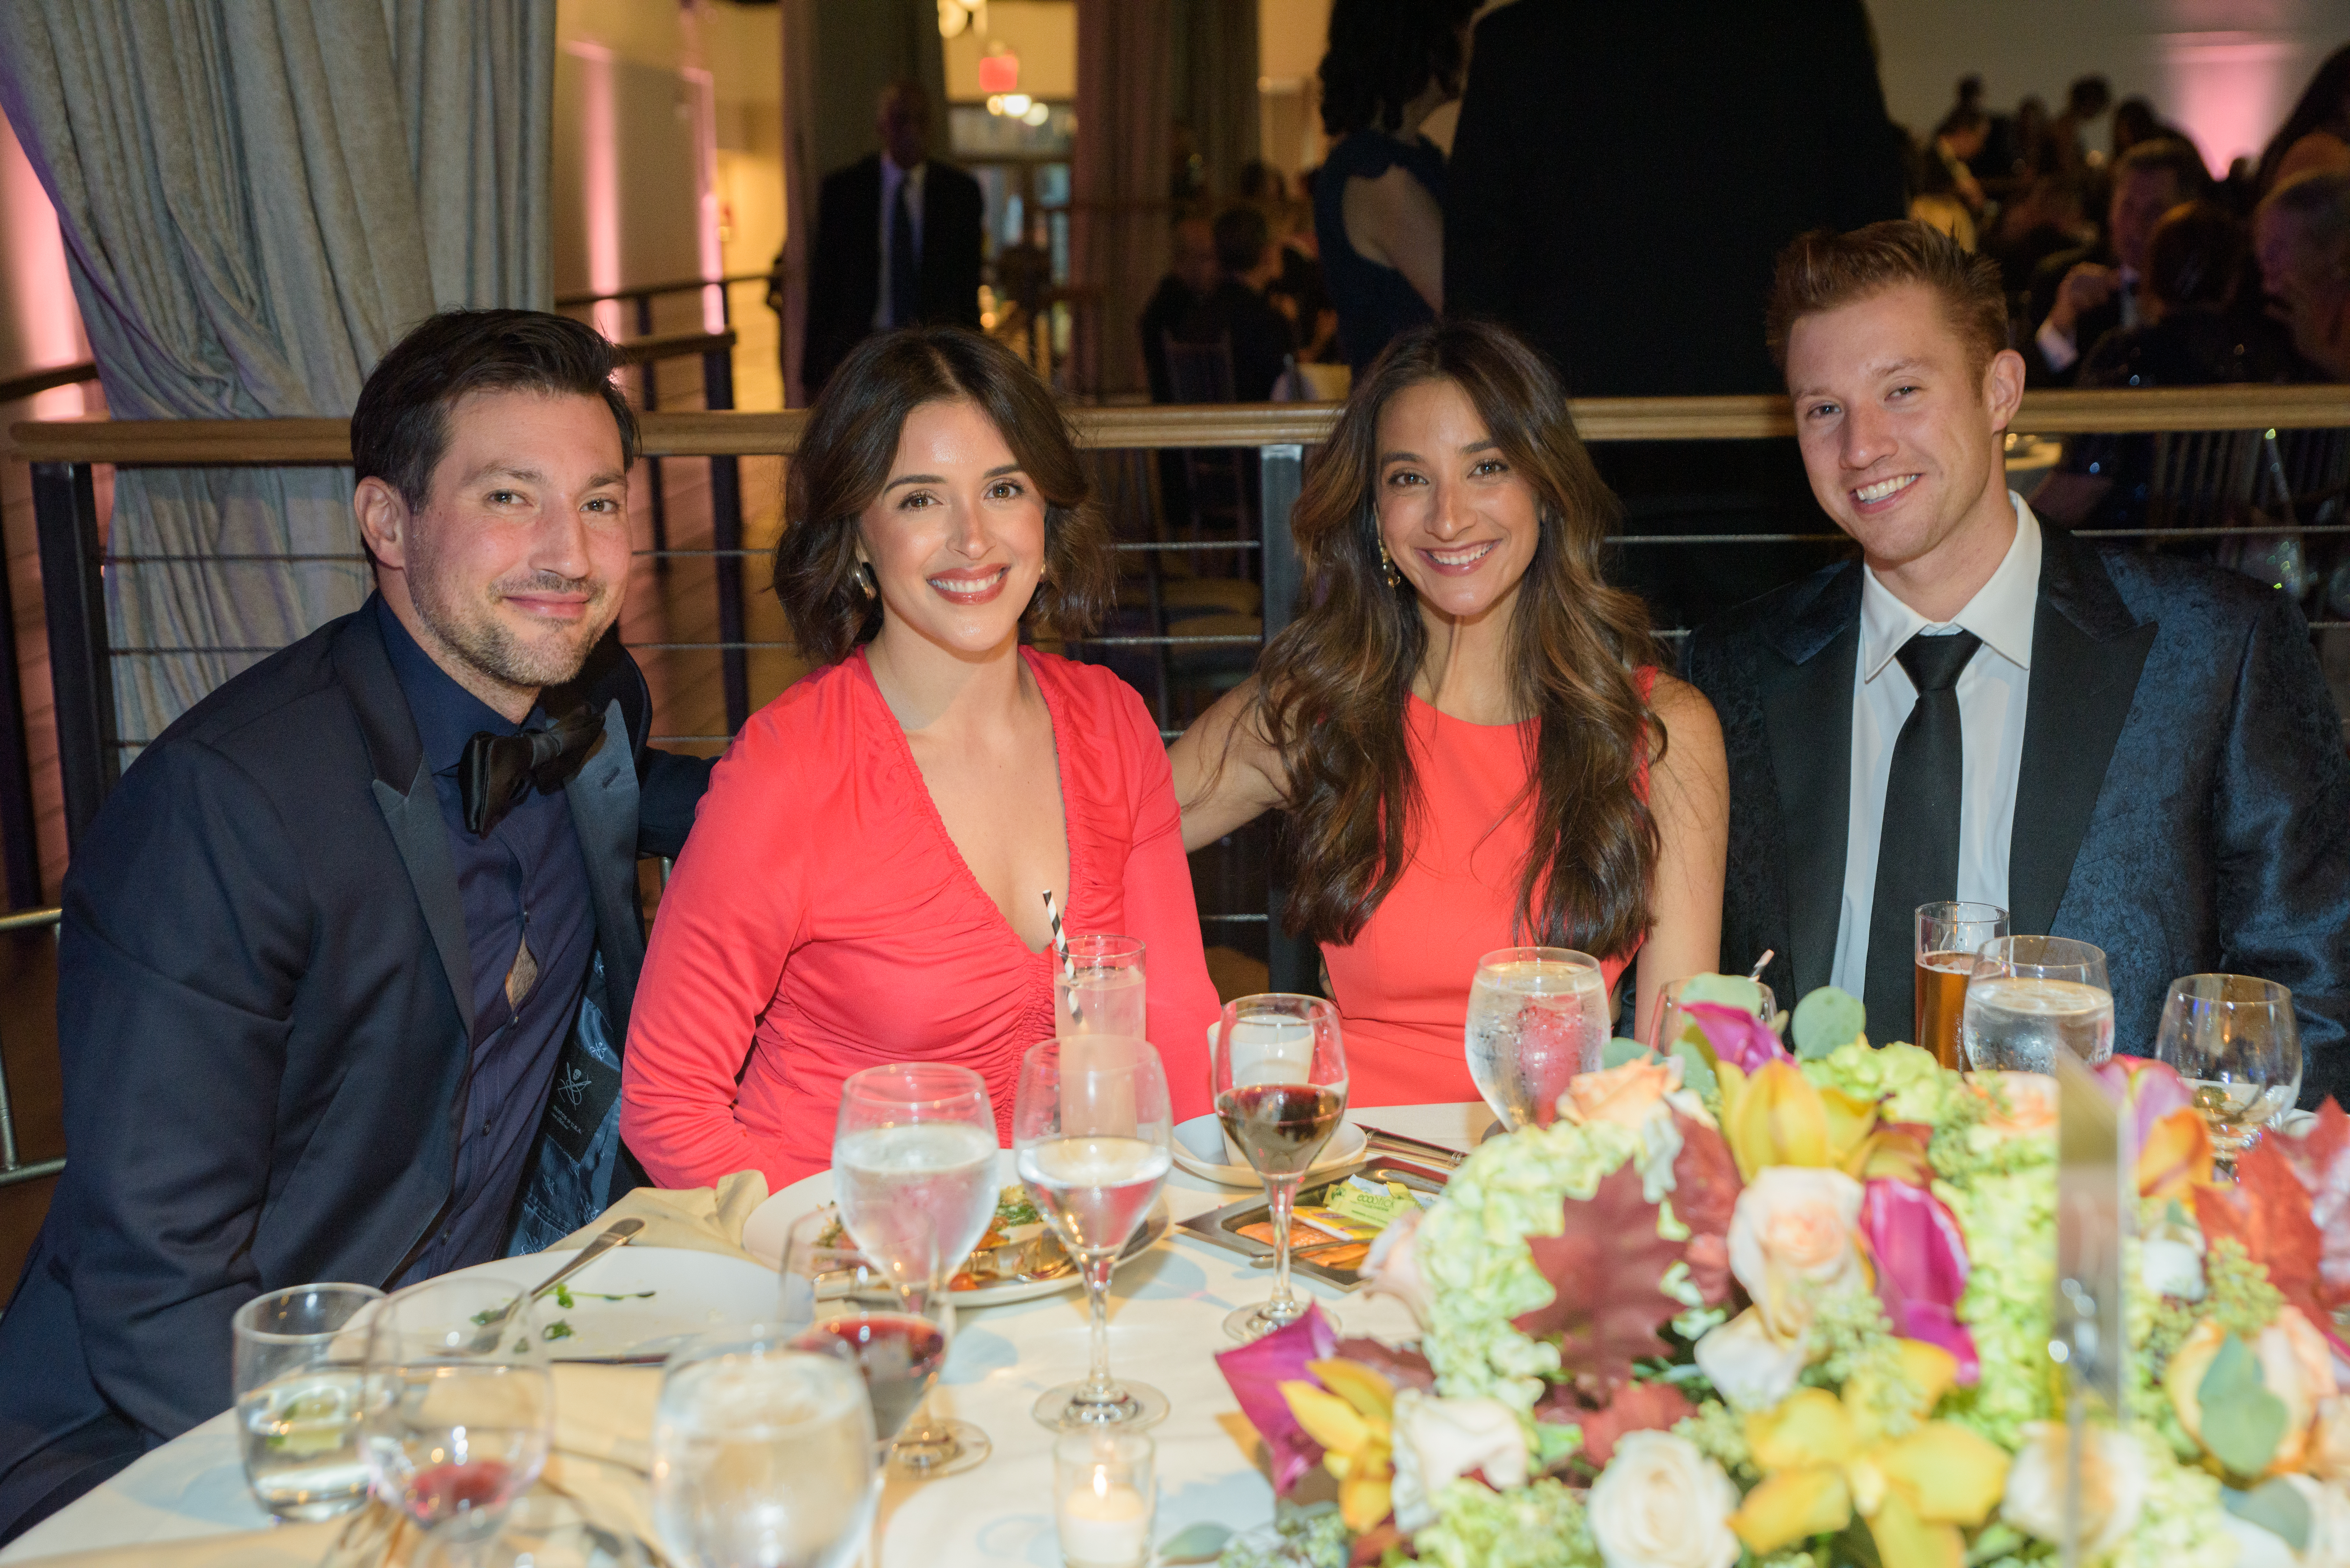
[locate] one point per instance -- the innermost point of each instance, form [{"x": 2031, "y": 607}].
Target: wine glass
[
  {"x": 2234, "y": 1039},
  {"x": 1099, "y": 989},
  {"x": 1726, "y": 990},
  {"x": 1950, "y": 934},
  {"x": 913, "y": 1165},
  {"x": 839, "y": 1302},
  {"x": 1537, "y": 1016},
  {"x": 761, "y": 1455},
  {"x": 457, "y": 1421},
  {"x": 2028, "y": 997},
  {"x": 1091, "y": 1128},
  {"x": 1278, "y": 1109}
]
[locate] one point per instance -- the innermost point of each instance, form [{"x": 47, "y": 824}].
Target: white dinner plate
[
  {"x": 692, "y": 1292},
  {"x": 770, "y": 1223},
  {"x": 1200, "y": 1149}
]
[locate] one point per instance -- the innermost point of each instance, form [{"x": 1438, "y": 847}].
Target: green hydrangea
[
  {"x": 1913, "y": 1087},
  {"x": 1538, "y": 1525},
  {"x": 2010, "y": 1224},
  {"x": 1472, "y": 1254},
  {"x": 1720, "y": 1436},
  {"x": 2181, "y": 1524},
  {"x": 1300, "y": 1538}
]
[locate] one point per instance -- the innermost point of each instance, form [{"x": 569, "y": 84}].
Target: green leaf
[
  {"x": 1201, "y": 1543},
  {"x": 2276, "y": 1506},
  {"x": 1728, "y": 990},
  {"x": 1696, "y": 1069},
  {"x": 1619, "y": 1051},
  {"x": 1826, "y": 1019},
  {"x": 2242, "y": 1421},
  {"x": 1554, "y": 1442}
]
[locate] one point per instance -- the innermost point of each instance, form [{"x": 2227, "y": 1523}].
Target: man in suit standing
[
  {"x": 2079, "y": 296},
  {"x": 1236, "y": 313},
  {"x": 896, "y": 242},
  {"x": 342, "y": 927},
  {"x": 2129, "y": 749}
]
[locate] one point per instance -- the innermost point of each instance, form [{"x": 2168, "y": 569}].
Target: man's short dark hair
[
  {"x": 400, "y": 429},
  {"x": 1242, "y": 238},
  {"x": 2170, "y": 156}
]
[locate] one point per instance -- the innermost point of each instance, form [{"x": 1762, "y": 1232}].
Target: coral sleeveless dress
[{"x": 1402, "y": 984}]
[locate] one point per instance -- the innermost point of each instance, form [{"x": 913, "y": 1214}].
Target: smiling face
[
  {"x": 1456, "y": 520},
  {"x": 956, "y": 539},
  {"x": 1899, "y": 432},
  {"x": 516, "y": 562}
]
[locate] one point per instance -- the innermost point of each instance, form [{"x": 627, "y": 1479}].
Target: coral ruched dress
[
  {"x": 820, "y": 920},
  {"x": 1402, "y": 984}
]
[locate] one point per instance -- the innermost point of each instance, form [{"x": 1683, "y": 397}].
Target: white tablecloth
[{"x": 1167, "y": 1311}]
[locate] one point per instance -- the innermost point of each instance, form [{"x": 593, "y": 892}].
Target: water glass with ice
[
  {"x": 1099, "y": 991},
  {"x": 2030, "y": 997},
  {"x": 1537, "y": 1016},
  {"x": 298, "y": 1363}
]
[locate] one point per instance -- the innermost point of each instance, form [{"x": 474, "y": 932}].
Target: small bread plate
[
  {"x": 1027, "y": 1264},
  {"x": 1200, "y": 1149},
  {"x": 636, "y": 1303},
  {"x": 1245, "y": 1227}
]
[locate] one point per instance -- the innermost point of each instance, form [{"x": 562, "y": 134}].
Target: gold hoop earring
[
  {"x": 1388, "y": 567},
  {"x": 862, "y": 579}
]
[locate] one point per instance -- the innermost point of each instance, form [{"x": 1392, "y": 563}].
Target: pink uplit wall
[
  {"x": 2229, "y": 91},
  {"x": 600, "y": 177},
  {"x": 703, "y": 93},
  {"x": 39, "y": 324}
]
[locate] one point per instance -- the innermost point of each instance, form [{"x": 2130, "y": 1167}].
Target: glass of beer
[{"x": 1950, "y": 934}]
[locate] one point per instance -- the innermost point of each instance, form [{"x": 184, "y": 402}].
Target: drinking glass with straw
[{"x": 1100, "y": 987}]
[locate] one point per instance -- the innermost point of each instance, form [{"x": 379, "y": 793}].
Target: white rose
[
  {"x": 1391, "y": 1267},
  {"x": 1751, "y": 1367},
  {"x": 2169, "y": 1267},
  {"x": 1661, "y": 1504},
  {"x": 2329, "y": 1524},
  {"x": 1793, "y": 1241},
  {"x": 1437, "y": 1441},
  {"x": 2113, "y": 1492}
]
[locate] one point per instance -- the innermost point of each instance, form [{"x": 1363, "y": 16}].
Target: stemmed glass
[
  {"x": 1278, "y": 1108},
  {"x": 2030, "y": 997},
  {"x": 1099, "y": 989},
  {"x": 761, "y": 1455},
  {"x": 913, "y": 1166},
  {"x": 1537, "y": 1016},
  {"x": 1091, "y": 1128},
  {"x": 839, "y": 1302},
  {"x": 2234, "y": 1039},
  {"x": 457, "y": 1422}
]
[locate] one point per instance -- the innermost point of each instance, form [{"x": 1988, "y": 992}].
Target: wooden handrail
[
  {"x": 736, "y": 434},
  {"x": 33, "y": 382},
  {"x": 673, "y": 346},
  {"x": 571, "y": 301}
]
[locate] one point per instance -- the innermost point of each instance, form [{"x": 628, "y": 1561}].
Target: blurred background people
[
  {"x": 2085, "y": 102},
  {"x": 2078, "y": 297},
  {"x": 1236, "y": 312},
  {"x": 2303, "y": 239},
  {"x": 2316, "y": 135},
  {"x": 1190, "y": 279}
]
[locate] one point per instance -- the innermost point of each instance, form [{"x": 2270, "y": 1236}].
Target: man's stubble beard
[{"x": 473, "y": 632}]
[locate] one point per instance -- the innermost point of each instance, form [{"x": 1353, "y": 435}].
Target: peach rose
[
  {"x": 1392, "y": 1266},
  {"x": 2329, "y": 1441},
  {"x": 2297, "y": 1365},
  {"x": 2113, "y": 1490},
  {"x": 2020, "y": 1104},
  {"x": 1626, "y": 1095},
  {"x": 1792, "y": 1241}
]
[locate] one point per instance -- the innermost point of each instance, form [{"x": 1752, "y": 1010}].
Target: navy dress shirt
[{"x": 526, "y": 880}]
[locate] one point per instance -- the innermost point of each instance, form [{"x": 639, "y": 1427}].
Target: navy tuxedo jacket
[
  {"x": 264, "y": 1050},
  {"x": 2184, "y": 802}
]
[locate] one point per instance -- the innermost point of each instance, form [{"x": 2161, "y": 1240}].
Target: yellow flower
[
  {"x": 1352, "y": 1415},
  {"x": 1774, "y": 1117},
  {"x": 1825, "y": 1459}
]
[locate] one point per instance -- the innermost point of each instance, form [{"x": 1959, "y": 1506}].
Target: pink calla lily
[
  {"x": 1256, "y": 1371},
  {"x": 2150, "y": 1090},
  {"x": 1737, "y": 1036},
  {"x": 1921, "y": 1268}
]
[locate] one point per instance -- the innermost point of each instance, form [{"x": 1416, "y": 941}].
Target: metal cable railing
[{"x": 13, "y": 1166}]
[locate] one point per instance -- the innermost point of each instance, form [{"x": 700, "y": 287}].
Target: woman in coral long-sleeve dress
[{"x": 863, "y": 882}]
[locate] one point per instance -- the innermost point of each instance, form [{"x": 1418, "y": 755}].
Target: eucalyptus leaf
[
  {"x": 1726, "y": 990},
  {"x": 2242, "y": 1421},
  {"x": 1619, "y": 1051},
  {"x": 1825, "y": 1020},
  {"x": 2276, "y": 1506},
  {"x": 1696, "y": 1069},
  {"x": 1201, "y": 1543}
]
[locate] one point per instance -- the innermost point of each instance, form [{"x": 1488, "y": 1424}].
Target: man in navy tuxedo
[
  {"x": 348, "y": 956},
  {"x": 2132, "y": 750}
]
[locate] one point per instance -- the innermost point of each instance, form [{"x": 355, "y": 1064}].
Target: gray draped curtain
[
  {"x": 1120, "y": 206},
  {"x": 258, "y": 198}
]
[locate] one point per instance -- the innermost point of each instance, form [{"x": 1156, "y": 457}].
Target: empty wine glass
[
  {"x": 457, "y": 1424},
  {"x": 839, "y": 1302},
  {"x": 1100, "y": 991},
  {"x": 1278, "y": 1108},
  {"x": 1724, "y": 990},
  {"x": 2234, "y": 1039},
  {"x": 2030, "y": 997},
  {"x": 913, "y": 1165},
  {"x": 1537, "y": 1016},
  {"x": 763, "y": 1456},
  {"x": 1091, "y": 1129}
]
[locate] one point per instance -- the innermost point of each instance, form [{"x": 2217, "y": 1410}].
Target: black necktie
[
  {"x": 905, "y": 260},
  {"x": 1917, "y": 848},
  {"x": 497, "y": 770}
]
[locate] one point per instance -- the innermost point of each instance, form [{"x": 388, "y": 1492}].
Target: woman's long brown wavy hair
[{"x": 1335, "y": 682}]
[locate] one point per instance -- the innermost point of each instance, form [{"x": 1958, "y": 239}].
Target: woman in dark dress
[{"x": 1379, "y": 201}]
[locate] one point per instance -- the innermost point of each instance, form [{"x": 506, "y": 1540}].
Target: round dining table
[{"x": 1166, "y": 1311}]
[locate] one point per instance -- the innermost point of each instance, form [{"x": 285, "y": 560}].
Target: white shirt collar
[{"x": 2001, "y": 613}]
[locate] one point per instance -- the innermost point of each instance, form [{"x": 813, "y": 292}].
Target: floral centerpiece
[{"x": 1792, "y": 1308}]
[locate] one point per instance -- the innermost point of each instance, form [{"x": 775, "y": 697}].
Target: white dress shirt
[
  {"x": 2059, "y": 347},
  {"x": 1991, "y": 691},
  {"x": 892, "y": 178}
]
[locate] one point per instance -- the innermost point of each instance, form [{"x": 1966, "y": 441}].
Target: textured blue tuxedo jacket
[{"x": 2184, "y": 801}]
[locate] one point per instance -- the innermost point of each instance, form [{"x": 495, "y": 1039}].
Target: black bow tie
[{"x": 497, "y": 770}]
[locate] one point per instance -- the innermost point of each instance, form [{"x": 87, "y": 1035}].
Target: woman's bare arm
[
  {"x": 1688, "y": 792},
  {"x": 1393, "y": 220},
  {"x": 1226, "y": 774}
]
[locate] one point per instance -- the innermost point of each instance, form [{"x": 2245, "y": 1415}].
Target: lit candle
[{"x": 1104, "y": 1522}]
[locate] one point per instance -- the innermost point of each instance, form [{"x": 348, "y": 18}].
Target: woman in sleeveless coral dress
[
  {"x": 862, "y": 884},
  {"x": 1461, "y": 722}
]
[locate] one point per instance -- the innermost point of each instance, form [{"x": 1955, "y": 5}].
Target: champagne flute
[
  {"x": 1278, "y": 1110},
  {"x": 913, "y": 1165},
  {"x": 2030, "y": 997},
  {"x": 1099, "y": 989},
  {"x": 1092, "y": 1128},
  {"x": 1537, "y": 1016},
  {"x": 763, "y": 1456},
  {"x": 2234, "y": 1039},
  {"x": 454, "y": 1429},
  {"x": 1950, "y": 934},
  {"x": 839, "y": 1302}
]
